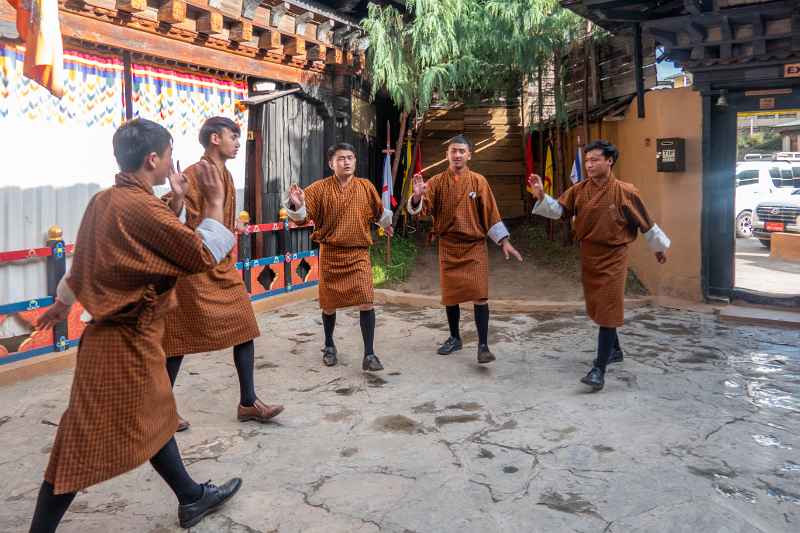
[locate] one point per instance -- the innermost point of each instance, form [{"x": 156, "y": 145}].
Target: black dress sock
[
  {"x": 169, "y": 465},
  {"x": 328, "y": 324},
  {"x": 482, "y": 323},
  {"x": 50, "y": 509},
  {"x": 244, "y": 359},
  {"x": 367, "y": 319},
  {"x": 173, "y": 367},
  {"x": 453, "y": 318},
  {"x": 605, "y": 345}
]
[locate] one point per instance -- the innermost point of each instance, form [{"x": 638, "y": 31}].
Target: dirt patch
[{"x": 398, "y": 424}]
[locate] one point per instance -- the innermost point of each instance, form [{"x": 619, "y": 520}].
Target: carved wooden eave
[{"x": 233, "y": 35}]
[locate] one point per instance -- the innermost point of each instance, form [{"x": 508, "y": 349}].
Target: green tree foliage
[{"x": 453, "y": 48}]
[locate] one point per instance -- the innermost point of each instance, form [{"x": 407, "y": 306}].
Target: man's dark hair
[
  {"x": 609, "y": 150},
  {"x": 216, "y": 125},
  {"x": 137, "y": 138},
  {"x": 340, "y": 146},
  {"x": 460, "y": 139}
]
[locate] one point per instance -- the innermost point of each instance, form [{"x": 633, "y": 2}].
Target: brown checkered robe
[
  {"x": 214, "y": 309},
  {"x": 342, "y": 225},
  {"x": 607, "y": 219},
  {"x": 463, "y": 210},
  {"x": 130, "y": 249}
]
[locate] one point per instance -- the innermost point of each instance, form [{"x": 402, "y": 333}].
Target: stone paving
[{"x": 696, "y": 431}]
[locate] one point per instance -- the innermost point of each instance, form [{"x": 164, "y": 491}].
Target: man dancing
[
  {"x": 214, "y": 310},
  {"x": 608, "y": 214},
  {"x": 129, "y": 251},
  {"x": 464, "y": 213},
  {"x": 343, "y": 208}
]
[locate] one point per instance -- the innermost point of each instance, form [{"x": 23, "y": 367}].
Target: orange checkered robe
[
  {"x": 342, "y": 226},
  {"x": 607, "y": 219},
  {"x": 214, "y": 309},
  {"x": 129, "y": 251},
  {"x": 463, "y": 210}
]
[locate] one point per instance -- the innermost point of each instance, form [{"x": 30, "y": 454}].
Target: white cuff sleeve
[
  {"x": 498, "y": 232},
  {"x": 217, "y": 238},
  {"x": 657, "y": 240},
  {"x": 386, "y": 218},
  {"x": 411, "y": 209},
  {"x": 548, "y": 207},
  {"x": 296, "y": 216},
  {"x": 182, "y": 215},
  {"x": 64, "y": 293}
]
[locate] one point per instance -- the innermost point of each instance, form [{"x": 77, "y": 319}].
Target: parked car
[
  {"x": 781, "y": 216},
  {"x": 758, "y": 181}
]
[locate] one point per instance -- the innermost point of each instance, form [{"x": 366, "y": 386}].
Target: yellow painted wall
[{"x": 673, "y": 199}]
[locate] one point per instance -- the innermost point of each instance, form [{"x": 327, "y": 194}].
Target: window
[
  {"x": 781, "y": 177},
  {"x": 747, "y": 177}
]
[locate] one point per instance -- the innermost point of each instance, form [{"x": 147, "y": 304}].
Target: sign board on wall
[
  {"x": 766, "y": 103},
  {"x": 791, "y": 71},
  {"x": 671, "y": 155}
]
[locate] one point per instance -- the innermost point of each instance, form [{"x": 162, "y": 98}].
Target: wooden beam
[
  {"x": 324, "y": 31},
  {"x": 277, "y": 13},
  {"x": 638, "y": 71},
  {"x": 295, "y": 47},
  {"x": 726, "y": 48},
  {"x": 334, "y": 56},
  {"x": 159, "y": 45},
  {"x": 131, "y": 6},
  {"x": 759, "y": 43},
  {"x": 796, "y": 30},
  {"x": 301, "y": 22},
  {"x": 691, "y": 6},
  {"x": 241, "y": 32},
  {"x": 210, "y": 23},
  {"x": 172, "y": 12},
  {"x": 249, "y": 9},
  {"x": 270, "y": 40},
  {"x": 697, "y": 32},
  {"x": 667, "y": 38},
  {"x": 317, "y": 52}
]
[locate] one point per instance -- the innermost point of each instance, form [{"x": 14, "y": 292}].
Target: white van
[{"x": 759, "y": 181}]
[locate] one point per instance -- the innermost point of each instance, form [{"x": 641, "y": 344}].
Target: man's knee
[
  {"x": 329, "y": 312},
  {"x": 485, "y": 301},
  {"x": 366, "y": 307}
]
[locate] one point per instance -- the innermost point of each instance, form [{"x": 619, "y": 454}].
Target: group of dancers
[{"x": 158, "y": 278}]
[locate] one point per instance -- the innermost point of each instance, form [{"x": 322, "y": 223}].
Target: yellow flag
[{"x": 548, "y": 172}]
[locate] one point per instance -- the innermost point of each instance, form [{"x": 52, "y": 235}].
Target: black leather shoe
[
  {"x": 453, "y": 344},
  {"x": 329, "y": 356},
  {"x": 595, "y": 379},
  {"x": 371, "y": 363},
  {"x": 617, "y": 356},
  {"x": 485, "y": 355},
  {"x": 213, "y": 497}
]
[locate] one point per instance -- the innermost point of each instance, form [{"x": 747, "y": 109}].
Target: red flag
[
  {"x": 529, "y": 168},
  {"x": 418, "y": 163}
]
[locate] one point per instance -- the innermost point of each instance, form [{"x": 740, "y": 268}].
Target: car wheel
[
  {"x": 744, "y": 225},
  {"x": 765, "y": 242}
]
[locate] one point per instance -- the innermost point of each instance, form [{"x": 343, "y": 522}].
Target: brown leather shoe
[
  {"x": 183, "y": 424},
  {"x": 259, "y": 411}
]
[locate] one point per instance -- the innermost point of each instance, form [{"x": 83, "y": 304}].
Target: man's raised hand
[
  {"x": 296, "y": 196},
  {"x": 209, "y": 181},
  {"x": 537, "y": 189},
  {"x": 420, "y": 187}
]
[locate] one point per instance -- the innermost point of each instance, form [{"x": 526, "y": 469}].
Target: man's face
[
  {"x": 227, "y": 142},
  {"x": 160, "y": 165},
  {"x": 597, "y": 164},
  {"x": 458, "y": 155},
  {"x": 343, "y": 163}
]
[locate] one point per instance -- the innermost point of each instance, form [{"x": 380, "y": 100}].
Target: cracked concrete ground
[{"x": 697, "y": 431}]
